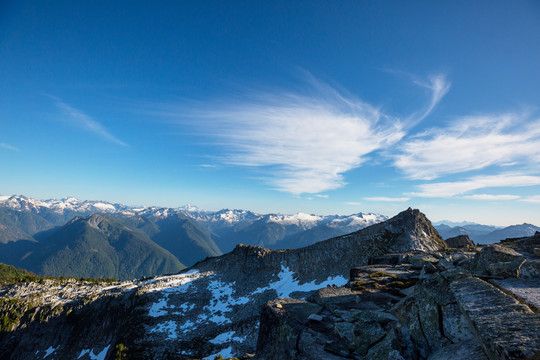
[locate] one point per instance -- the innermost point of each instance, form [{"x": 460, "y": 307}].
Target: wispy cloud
[
  {"x": 387, "y": 199},
  {"x": 439, "y": 87},
  {"x": 471, "y": 143},
  {"x": 449, "y": 189},
  {"x": 8, "y": 147},
  {"x": 535, "y": 199},
  {"x": 491, "y": 197},
  {"x": 353, "y": 203},
  {"x": 304, "y": 142},
  {"x": 322, "y": 196},
  {"x": 85, "y": 122}
]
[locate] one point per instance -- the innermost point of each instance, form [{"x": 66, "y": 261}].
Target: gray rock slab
[
  {"x": 506, "y": 328},
  {"x": 526, "y": 290}
]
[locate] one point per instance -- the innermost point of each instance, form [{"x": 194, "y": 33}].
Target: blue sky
[{"x": 312, "y": 106}]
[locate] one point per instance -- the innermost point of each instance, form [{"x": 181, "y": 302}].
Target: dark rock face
[
  {"x": 459, "y": 241},
  {"x": 527, "y": 244},
  {"x": 496, "y": 260},
  {"x": 423, "y": 306}
]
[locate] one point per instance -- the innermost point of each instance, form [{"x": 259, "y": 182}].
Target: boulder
[
  {"x": 281, "y": 323},
  {"x": 459, "y": 241},
  {"x": 497, "y": 260}
]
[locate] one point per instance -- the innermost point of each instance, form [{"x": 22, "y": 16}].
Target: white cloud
[
  {"x": 471, "y": 143},
  {"x": 491, "y": 197},
  {"x": 85, "y": 122},
  {"x": 9, "y": 147},
  {"x": 323, "y": 196},
  {"x": 387, "y": 199},
  {"x": 303, "y": 143},
  {"x": 353, "y": 203},
  {"x": 449, "y": 189},
  {"x": 439, "y": 87},
  {"x": 535, "y": 199}
]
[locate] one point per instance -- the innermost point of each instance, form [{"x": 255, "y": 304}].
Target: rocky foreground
[
  {"x": 451, "y": 304},
  {"x": 393, "y": 290}
]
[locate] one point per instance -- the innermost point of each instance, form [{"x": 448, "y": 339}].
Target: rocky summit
[{"x": 390, "y": 291}]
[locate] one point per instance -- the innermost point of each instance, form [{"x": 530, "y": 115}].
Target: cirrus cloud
[
  {"x": 86, "y": 122},
  {"x": 9, "y": 147},
  {"x": 471, "y": 143},
  {"x": 450, "y": 189},
  {"x": 303, "y": 142},
  {"x": 491, "y": 197}
]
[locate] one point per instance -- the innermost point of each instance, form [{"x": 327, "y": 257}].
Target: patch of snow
[
  {"x": 104, "y": 206},
  {"x": 222, "y": 300},
  {"x": 299, "y": 219},
  {"x": 49, "y": 351},
  {"x": 287, "y": 284},
  {"x": 185, "y": 307},
  {"x": 168, "y": 327},
  {"x": 225, "y": 353},
  {"x": 177, "y": 281},
  {"x": 90, "y": 352},
  {"x": 188, "y": 325},
  {"x": 156, "y": 309},
  {"x": 226, "y": 338},
  {"x": 189, "y": 208}
]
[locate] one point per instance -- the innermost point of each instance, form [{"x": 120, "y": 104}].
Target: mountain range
[
  {"x": 485, "y": 234},
  {"x": 59, "y": 237}
]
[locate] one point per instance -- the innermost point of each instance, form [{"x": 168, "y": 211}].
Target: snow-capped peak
[
  {"x": 189, "y": 208},
  {"x": 299, "y": 219}
]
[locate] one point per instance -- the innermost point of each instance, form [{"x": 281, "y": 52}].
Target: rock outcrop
[
  {"x": 412, "y": 306},
  {"x": 459, "y": 241}
]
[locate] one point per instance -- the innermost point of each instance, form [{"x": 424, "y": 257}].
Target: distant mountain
[
  {"x": 274, "y": 231},
  {"x": 486, "y": 234},
  {"x": 177, "y": 233},
  {"x": 453, "y": 223},
  {"x": 99, "y": 246},
  {"x": 513, "y": 231},
  {"x": 472, "y": 230}
]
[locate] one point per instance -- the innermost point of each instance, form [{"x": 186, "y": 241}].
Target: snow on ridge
[
  {"x": 225, "y": 354},
  {"x": 49, "y": 351},
  {"x": 104, "y": 206},
  {"x": 173, "y": 282},
  {"x": 227, "y": 337},
  {"x": 189, "y": 208},
  {"x": 299, "y": 219},
  {"x": 357, "y": 220},
  {"x": 222, "y": 294},
  {"x": 168, "y": 327},
  {"x": 93, "y": 356},
  {"x": 286, "y": 284}
]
